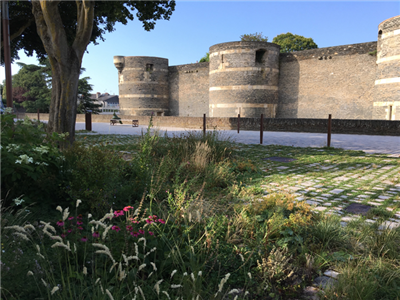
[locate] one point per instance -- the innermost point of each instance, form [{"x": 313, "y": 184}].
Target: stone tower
[
  {"x": 387, "y": 83},
  {"x": 143, "y": 85},
  {"x": 243, "y": 79}
]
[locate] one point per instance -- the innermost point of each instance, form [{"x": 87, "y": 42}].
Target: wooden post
[
  {"x": 261, "y": 129},
  {"x": 7, "y": 51},
  {"x": 88, "y": 120},
  {"x": 329, "y": 129},
  {"x": 204, "y": 124},
  {"x": 238, "y": 123},
  {"x": 38, "y": 114}
]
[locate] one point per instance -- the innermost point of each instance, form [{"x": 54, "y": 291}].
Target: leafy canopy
[
  {"x": 23, "y": 30},
  {"x": 205, "y": 58},
  {"x": 254, "y": 37},
  {"x": 290, "y": 42},
  {"x": 85, "y": 102}
]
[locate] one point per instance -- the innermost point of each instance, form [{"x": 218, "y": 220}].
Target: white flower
[
  {"x": 249, "y": 274},
  {"x": 78, "y": 202},
  {"x": 173, "y": 273},
  {"x": 109, "y": 294},
  {"x": 154, "y": 266},
  {"x": 200, "y": 273},
  {"x": 24, "y": 159},
  {"x": 89, "y": 216},
  {"x": 44, "y": 282},
  {"x": 176, "y": 286},
  {"x": 233, "y": 291},
  {"x": 44, "y": 164},
  {"x": 141, "y": 267},
  {"x": 84, "y": 271},
  {"x": 192, "y": 275},
  {"x": 55, "y": 289},
  {"x": 157, "y": 286},
  {"x": 59, "y": 208},
  {"x": 29, "y": 273}
]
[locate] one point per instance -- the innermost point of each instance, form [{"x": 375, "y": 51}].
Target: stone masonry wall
[
  {"x": 188, "y": 90},
  {"x": 373, "y": 127},
  {"x": 334, "y": 80}
]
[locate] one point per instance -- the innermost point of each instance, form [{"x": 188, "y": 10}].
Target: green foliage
[
  {"x": 106, "y": 15},
  {"x": 85, "y": 102},
  {"x": 29, "y": 155},
  {"x": 31, "y": 87},
  {"x": 205, "y": 58},
  {"x": 253, "y": 37},
  {"x": 292, "y": 42}
]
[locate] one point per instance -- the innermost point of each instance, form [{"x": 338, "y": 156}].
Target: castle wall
[
  {"x": 243, "y": 79},
  {"x": 188, "y": 90},
  {"x": 334, "y": 80},
  {"x": 143, "y": 85},
  {"x": 387, "y": 83}
]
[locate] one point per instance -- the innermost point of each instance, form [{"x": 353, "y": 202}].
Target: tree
[
  {"x": 254, "y": 37},
  {"x": 292, "y": 42},
  {"x": 62, "y": 30},
  {"x": 85, "y": 102},
  {"x": 205, "y": 58}
]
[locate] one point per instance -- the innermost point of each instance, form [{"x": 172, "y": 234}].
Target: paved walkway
[{"x": 367, "y": 143}]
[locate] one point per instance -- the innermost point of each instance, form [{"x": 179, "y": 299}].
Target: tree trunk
[
  {"x": 63, "y": 104},
  {"x": 65, "y": 59}
]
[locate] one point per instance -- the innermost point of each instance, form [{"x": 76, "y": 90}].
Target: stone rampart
[
  {"x": 334, "y": 80},
  {"x": 188, "y": 90},
  {"x": 370, "y": 127}
]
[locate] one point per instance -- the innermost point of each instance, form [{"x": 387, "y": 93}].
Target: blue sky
[{"x": 196, "y": 25}]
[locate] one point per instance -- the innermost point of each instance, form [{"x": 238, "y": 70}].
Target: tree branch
[
  {"x": 20, "y": 30},
  {"x": 85, "y": 17}
]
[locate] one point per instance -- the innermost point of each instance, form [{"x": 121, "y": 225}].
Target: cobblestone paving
[{"x": 327, "y": 179}]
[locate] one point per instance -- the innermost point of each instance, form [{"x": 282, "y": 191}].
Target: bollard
[
  {"x": 238, "y": 122},
  {"x": 38, "y": 115},
  {"x": 204, "y": 124},
  {"x": 88, "y": 120},
  {"x": 329, "y": 129},
  {"x": 261, "y": 129}
]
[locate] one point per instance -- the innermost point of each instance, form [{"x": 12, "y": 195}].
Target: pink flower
[
  {"x": 149, "y": 221},
  {"x": 60, "y": 223},
  {"x": 70, "y": 230},
  {"x": 116, "y": 228},
  {"x": 135, "y": 222},
  {"x": 63, "y": 235},
  {"x": 79, "y": 223},
  {"x": 151, "y": 233},
  {"x": 96, "y": 234},
  {"x": 118, "y": 213},
  {"x": 129, "y": 228},
  {"x": 84, "y": 239},
  {"x": 134, "y": 233},
  {"x": 141, "y": 231},
  {"x": 80, "y": 228},
  {"x": 161, "y": 221},
  {"x": 127, "y": 208},
  {"x": 70, "y": 218},
  {"x": 79, "y": 217}
]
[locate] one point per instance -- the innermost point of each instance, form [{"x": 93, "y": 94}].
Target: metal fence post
[
  {"x": 238, "y": 123},
  {"x": 204, "y": 124},
  {"x": 261, "y": 129},
  {"x": 329, "y": 129}
]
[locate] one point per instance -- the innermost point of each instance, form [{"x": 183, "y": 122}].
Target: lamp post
[{"x": 7, "y": 54}]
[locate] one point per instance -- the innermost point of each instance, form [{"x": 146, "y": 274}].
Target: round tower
[
  {"x": 387, "y": 81},
  {"x": 143, "y": 85},
  {"x": 243, "y": 79}
]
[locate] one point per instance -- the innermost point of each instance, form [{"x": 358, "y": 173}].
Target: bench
[{"x": 135, "y": 123}]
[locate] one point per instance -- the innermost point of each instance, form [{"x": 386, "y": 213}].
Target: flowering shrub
[
  {"x": 88, "y": 266},
  {"x": 29, "y": 155}
]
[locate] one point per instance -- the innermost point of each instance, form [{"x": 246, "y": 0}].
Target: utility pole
[{"x": 7, "y": 53}]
